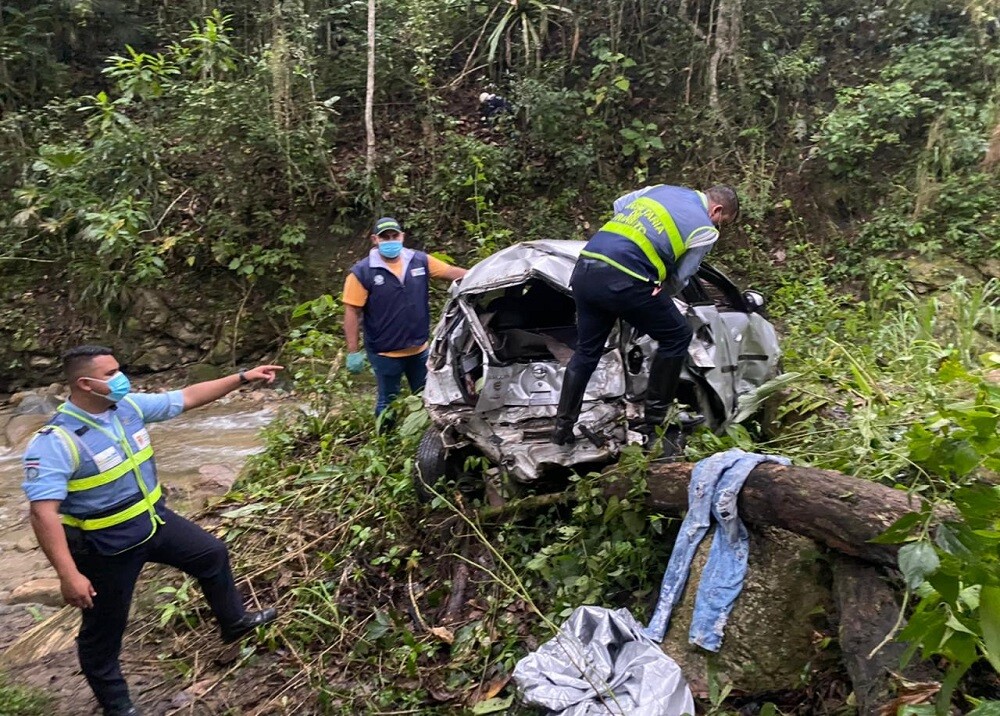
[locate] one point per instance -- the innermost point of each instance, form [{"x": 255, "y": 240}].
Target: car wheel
[
  {"x": 436, "y": 462},
  {"x": 432, "y": 464}
]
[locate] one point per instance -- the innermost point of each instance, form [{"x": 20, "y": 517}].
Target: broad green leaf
[
  {"x": 493, "y": 706},
  {"x": 900, "y": 530},
  {"x": 916, "y": 561},
  {"x": 945, "y": 585},
  {"x": 947, "y": 539},
  {"x": 989, "y": 619},
  {"x": 965, "y": 458},
  {"x": 979, "y": 505}
]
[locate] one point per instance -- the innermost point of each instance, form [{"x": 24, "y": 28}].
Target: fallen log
[{"x": 837, "y": 510}]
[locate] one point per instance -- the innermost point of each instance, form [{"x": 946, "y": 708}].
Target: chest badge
[
  {"x": 378, "y": 280},
  {"x": 418, "y": 271}
]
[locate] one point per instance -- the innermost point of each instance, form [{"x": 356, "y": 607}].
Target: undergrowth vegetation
[
  {"x": 195, "y": 147},
  {"x": 434, "y": 605}
]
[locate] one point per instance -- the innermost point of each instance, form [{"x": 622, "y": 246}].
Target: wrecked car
[{"x": 508, "y": 330}]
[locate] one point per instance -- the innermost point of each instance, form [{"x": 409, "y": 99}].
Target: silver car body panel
[{"x": 505, "y": 407}]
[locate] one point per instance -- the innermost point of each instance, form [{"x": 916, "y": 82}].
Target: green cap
[{"x": 386, "y": 223}]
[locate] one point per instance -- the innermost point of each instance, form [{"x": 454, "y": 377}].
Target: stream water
[{"x": 198, "y": 454}]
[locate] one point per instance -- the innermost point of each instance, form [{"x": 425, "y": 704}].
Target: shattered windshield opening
[{"x": 528, "y": 322}]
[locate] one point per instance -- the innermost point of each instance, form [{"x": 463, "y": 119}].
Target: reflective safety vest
[
  {"x": 659, "y": 227},
  {"x": 113, "y": 494}
]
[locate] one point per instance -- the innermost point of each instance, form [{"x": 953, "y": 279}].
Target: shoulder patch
[{"x": 31, "y": 465}]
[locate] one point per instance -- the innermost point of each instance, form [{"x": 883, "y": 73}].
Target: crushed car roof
[{"x": 516, "y": 264}]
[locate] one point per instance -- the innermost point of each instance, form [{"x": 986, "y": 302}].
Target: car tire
[
  {"x": 432, "y": 464},
  {"x": 435, "y": 462}
]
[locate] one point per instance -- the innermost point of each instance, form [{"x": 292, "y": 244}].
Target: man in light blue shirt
[{"x": 99, "y": 513}]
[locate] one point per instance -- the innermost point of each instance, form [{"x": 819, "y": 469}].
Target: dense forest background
[
  {"x": 220, "y": 149},
  {"x": 189, "y": 180}
]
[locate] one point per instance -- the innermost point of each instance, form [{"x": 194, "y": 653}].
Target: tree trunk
[
  {"x": 992, "y": 159},
  {"x": 867, "y": 612},
  {"x": 370, "y": 94},
  {"x": 727, "y": 39},
  {"x": 837, "y": 510}
]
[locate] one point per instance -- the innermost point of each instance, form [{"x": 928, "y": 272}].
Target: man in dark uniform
[
  {"x": 99, "y": 513},
  {"x": 388, "y": 293},
  {"x": 630, "y": 270}
]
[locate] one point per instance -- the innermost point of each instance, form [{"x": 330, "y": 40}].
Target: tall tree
[{"x": 370, "y": 94}]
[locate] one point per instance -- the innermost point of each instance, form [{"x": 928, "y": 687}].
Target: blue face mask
[
  {"x": 119, "y": 386},
  {"x": 390, "y": 249}
]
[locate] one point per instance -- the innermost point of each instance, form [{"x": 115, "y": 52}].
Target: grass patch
[{"x": 16, "y": 700}]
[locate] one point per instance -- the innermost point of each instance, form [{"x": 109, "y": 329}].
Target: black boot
[
  {"x": 664, "y": 377},
  {"x": 249, "y": 622},
  {"x": 574, "y": 385},
  {"x": 124, "y": 709}
]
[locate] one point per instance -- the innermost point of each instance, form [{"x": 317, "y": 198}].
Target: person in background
[
  {"x": 387, "y": 293},
  {"x": 630, "y": 270},
  {"x": 492, "y": 107},
  {"x": 98, "y": 510}
]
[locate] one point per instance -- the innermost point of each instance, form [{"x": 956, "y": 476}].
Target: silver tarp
[{"x": 600, "y": 663}]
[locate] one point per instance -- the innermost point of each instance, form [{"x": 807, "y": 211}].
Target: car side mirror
[{"x": 755, "y": 301}]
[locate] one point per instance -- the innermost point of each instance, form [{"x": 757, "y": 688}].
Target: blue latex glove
[{"x": 356, "y": 362}]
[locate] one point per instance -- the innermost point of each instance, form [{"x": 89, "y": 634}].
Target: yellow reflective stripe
[
  {"x": 615, "y": 264},
  {"x": 90, "y": 423},
  {"x": 639, "y": 239},
  {"x": 138, "y": 479},
  {"x": 128, "y": 399},
  {"x": 661, "y": 213},
  {"x": 70, "y": 443},
  {"x": 103, "y": 478},
  {"x": 100, "y": 523}
]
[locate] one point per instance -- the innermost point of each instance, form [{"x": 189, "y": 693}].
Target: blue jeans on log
[{"x": 714, "y": 490}]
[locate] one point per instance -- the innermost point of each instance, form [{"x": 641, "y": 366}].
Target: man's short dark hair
[
  {"x": 726, "y": 196},
  {"x": 76, "y": 361}
]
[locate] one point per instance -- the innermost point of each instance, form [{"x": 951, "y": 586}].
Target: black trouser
[
  {"x": 177, "y": 543},
  {"x": 604, "y": 294}
]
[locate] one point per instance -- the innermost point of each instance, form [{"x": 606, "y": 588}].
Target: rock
[
  {"x": 55, "y": 634},
  {"x": 38, "y": 591},
  {"x": 768, "y": 638},
  {"x": 36, "y": 404},
  {"x": 929, "y": 276},
  {"x": 184, "y": 332},
  {"x": 204, "y": 371},
  {"x": 221, "y": 353},
  {"x": 26, "y": 544},
  {"x": 57, "y": 391},
  {"x": 42, "y": 361},
  {"x": 216, "y": 478},
  {"x": 16, "y": 398},
  {"x": 150, "y": 309},
  {"x": 20, "y": 427},
  {"x": 156, "y": 358}
]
